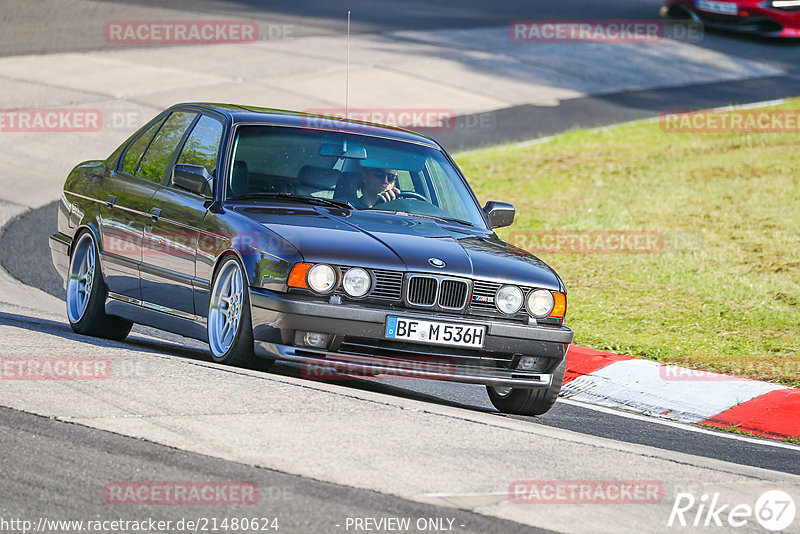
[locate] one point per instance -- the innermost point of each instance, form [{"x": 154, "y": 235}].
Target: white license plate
[
  {"x": 439, "y": 333},
  {"x": 723, "y": 8}
]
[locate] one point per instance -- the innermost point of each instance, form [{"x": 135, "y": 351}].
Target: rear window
[
  {"x": 159, "y": 153},
  {"x": 135, "y": 150},
  {"x": 202, "y": 145}
]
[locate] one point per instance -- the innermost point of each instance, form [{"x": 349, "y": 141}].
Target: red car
[{"x": 773, "y": 18}]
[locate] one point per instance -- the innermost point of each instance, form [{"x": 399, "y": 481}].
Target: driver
[{"x": 377, "y": 185}]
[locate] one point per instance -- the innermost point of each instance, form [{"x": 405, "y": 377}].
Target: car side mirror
[
  {"x": 500, "y": 213},
  {"x": 192, "y": 178}
]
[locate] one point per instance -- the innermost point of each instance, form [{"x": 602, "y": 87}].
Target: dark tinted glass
[
  {"x": 134, "y": 153},
  {"x": 158, "y": 155},
  {"x": 202, "y": 145},
  {"x": 305, "y": 162}
]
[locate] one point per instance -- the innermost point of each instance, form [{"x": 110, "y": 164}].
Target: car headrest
[
  {"x": 318, "y": 177},
  {"x": 240, "y": 179},
  {"x": 348, "y": 184}
]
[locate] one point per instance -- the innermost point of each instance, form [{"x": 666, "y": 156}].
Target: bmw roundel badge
[{"x": 436, "y": 262}]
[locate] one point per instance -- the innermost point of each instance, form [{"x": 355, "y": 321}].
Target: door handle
[
  {"x": 155, "y": 213},
  {"x": 110, "y": 201}
]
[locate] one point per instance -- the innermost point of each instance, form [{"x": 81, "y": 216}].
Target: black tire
[
  {"x": 241, "y": 352},
  {"x": 529, "y": 401},
  {"x": 93, "y": 320}
]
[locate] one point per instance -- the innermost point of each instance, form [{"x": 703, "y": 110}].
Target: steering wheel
[{"x": 405, "y": 194}]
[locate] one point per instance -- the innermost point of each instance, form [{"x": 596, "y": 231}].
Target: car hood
[{"x": 399, "y": 242}]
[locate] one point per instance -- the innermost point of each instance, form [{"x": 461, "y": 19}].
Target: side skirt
[{"x": 156, "y": 316}]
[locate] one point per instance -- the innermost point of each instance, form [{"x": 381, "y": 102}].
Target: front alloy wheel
[{"x": 230, "y": 330}]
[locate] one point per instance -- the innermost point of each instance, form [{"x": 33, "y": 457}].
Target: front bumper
[
  {"x": 276, "y": 317},
  {"x": 59, "y": 253}
]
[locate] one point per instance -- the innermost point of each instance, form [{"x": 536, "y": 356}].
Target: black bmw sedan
[{"x": 343, "y": 246}]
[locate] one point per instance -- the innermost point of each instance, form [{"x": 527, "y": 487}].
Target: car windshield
[{"x": 370, "y": 173}]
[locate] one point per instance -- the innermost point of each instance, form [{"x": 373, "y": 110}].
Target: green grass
[
  {"x": 723, "y": 295},
  {"x": 733, "y": 429}
]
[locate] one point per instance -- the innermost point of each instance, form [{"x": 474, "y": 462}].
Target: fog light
[
  {"x": 528, "y": 363},
  {"x": 317, "y": 340}
]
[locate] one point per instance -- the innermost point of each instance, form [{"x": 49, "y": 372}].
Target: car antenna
[{"x": 347, "y": 75}]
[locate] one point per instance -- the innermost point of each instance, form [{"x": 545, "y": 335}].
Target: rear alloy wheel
[
  {"x": 230, "y": 329},
  {"x": 528, "y": 401},
  {"x": 86, "y": 294}
]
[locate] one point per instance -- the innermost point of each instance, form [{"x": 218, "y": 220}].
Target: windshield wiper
[
  {"x": 302, "y": 198},
  {"x": 449, "y": 219},
  {"x": 435, "y": 217}
]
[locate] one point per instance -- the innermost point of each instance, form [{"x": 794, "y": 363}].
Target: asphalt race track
[
  {"x": 58, "y": 457},
  {"x": 53, "y": 465}
]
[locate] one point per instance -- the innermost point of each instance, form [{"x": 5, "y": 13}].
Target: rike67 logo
[{"x": 774, "y": 510}]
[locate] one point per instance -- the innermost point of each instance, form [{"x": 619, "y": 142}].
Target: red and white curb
[{"x": 681, "y": 394}]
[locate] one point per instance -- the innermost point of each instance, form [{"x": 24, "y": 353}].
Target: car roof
[{"x": 239, "y": 114}]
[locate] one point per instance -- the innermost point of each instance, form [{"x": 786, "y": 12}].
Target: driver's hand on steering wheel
[{"x": 388, "y": 195}]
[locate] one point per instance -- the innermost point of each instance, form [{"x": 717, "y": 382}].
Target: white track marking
[
  {"x": 682, "y": 426},
  {"x": 649, "y": 387}
]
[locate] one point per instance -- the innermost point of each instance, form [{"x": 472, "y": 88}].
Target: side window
[
  {"x": 448, "y": 197},
  {"x": 202, "y": 145},
  {"x": 134, "y": 152},
  {"x": 158, "y": 155},
  {"x": 404, "y": 182}
]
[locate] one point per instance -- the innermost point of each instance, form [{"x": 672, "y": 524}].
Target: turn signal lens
[
  {"x": 560, "y": 305},
  {"x": 297, "y": 278}
]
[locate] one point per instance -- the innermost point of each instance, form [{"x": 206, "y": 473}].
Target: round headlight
[
  {"x": 509, "y": 299},
  {"x": 540, "y": 303},
  {"x": 321, "y": 278},
  {"x": 356, "y": 282}
]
